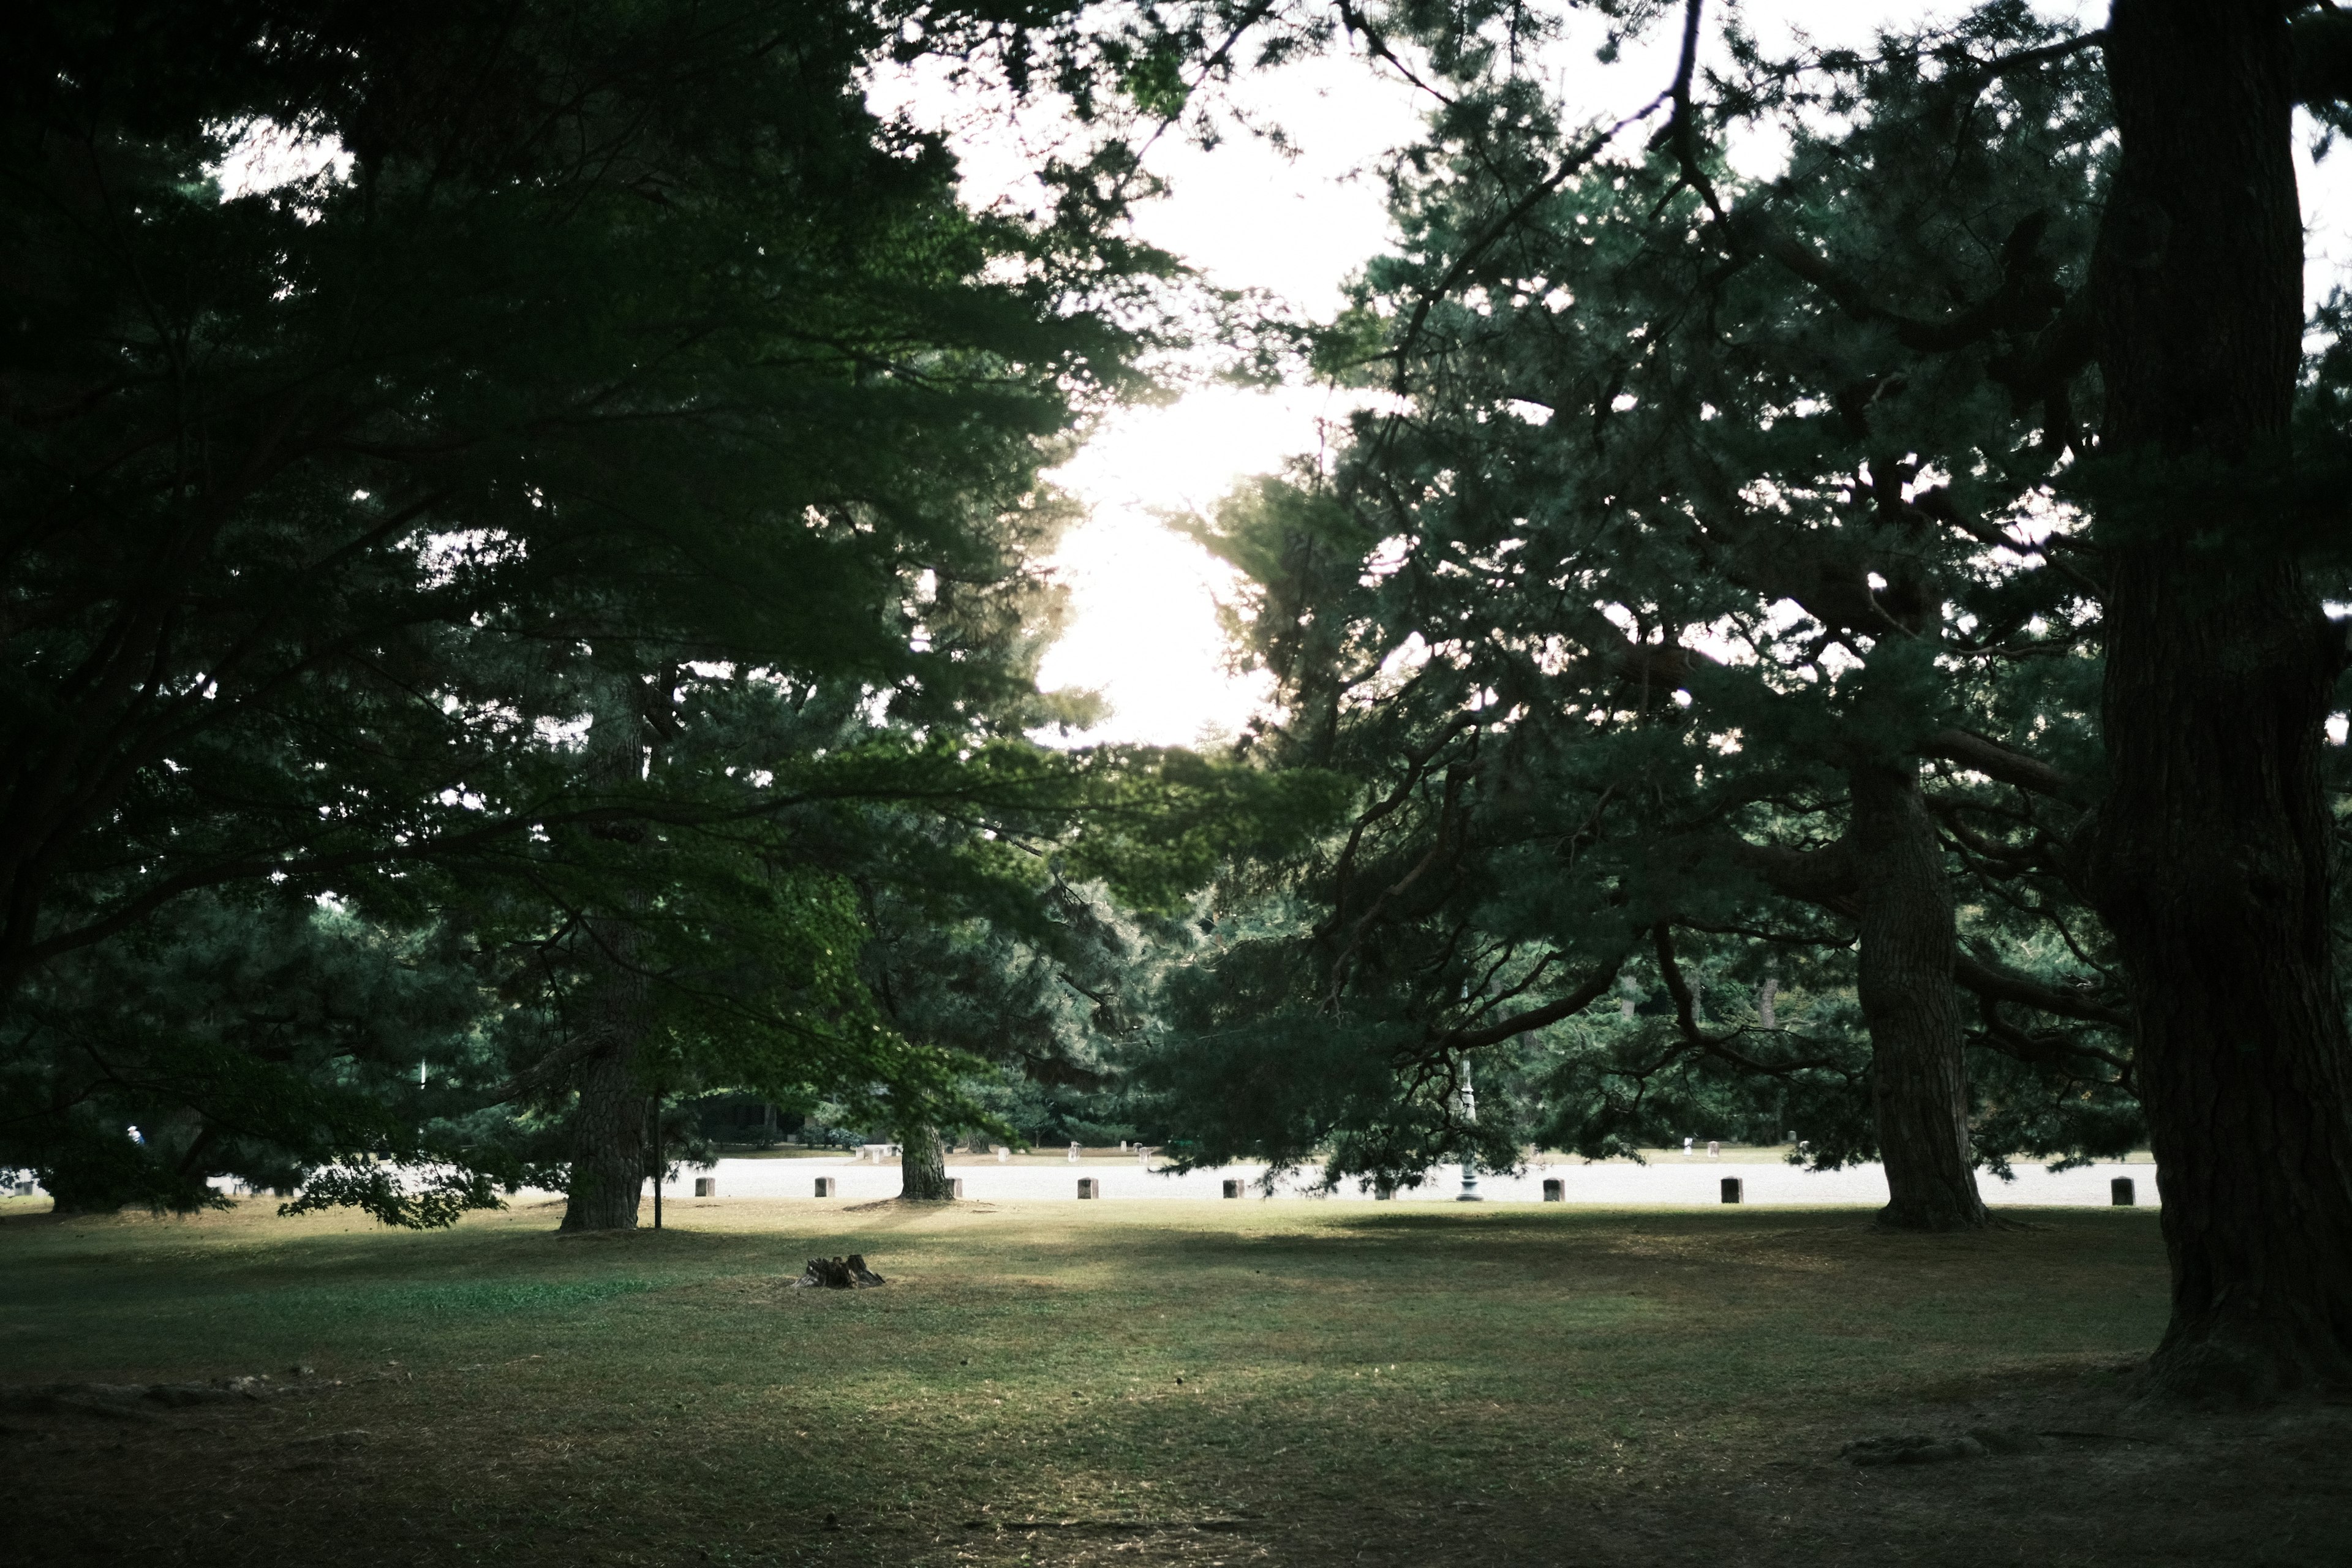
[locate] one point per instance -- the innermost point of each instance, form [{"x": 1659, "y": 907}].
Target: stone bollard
[
  {"x": 1233, "y": 1188},
  {"x": 1003, "y": 1155},
  {"x": 955, "y": 1187},
  {"x": 1074, "y": 1153},
  {"x": 1555, "y": 1190},
  {"x": 1714, "y": 1149},
  {"x": 825, "y": 1187},
  {"x": 1732, "y": 1190},
  {"x": 2122, "y": 1193},
  {"x": 1087, "y": 1187},
  {"x": 706, "y": 1186}
]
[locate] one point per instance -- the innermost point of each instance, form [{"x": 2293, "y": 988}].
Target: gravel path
[{"x": 1671, "y": 1181}]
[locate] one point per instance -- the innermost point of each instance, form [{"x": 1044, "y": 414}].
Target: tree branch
[
  {"x": 1825, "y": 877},
  {"x": 1998, "y": 983},
  {"x": 1576, "y": 161},
  {"x": 1995, "y": 761},
  {"x": 1595, "y": 987}
]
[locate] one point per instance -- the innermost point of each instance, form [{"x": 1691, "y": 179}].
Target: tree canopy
[
  {"x": 533, "y": 520},
  {"x": 1937, "y": 536}
]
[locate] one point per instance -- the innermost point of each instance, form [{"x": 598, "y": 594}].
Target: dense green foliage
[
  {"x": 1693, "y": 499},
  {"x": 515, "y": 515}
]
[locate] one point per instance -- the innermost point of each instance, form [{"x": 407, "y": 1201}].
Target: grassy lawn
[{"x": 1283, "y": 1382}]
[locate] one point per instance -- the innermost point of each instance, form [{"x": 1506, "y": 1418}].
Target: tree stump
[{"x": 848, "y": 1273}]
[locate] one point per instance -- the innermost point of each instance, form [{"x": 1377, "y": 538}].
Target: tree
[
  {"x": 253, "y": 1038},
  {"x": 310, "y": 479},
  {"x": 2211, "y": 551},
  {"x": 2212, "y": 856},
  {"x": 1645, "y": 605},
  {"x": 1006, "y": 964},
  {"x": 603, "y": 339}
]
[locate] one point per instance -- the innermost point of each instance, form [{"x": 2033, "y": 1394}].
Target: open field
[{"x": 1280, "y": 1384}]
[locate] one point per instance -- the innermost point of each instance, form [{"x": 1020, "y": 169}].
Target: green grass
[{"x": 1328, "y": 1375}]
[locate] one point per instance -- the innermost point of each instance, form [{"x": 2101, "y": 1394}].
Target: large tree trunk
[
  {"x": 2210, "y": 858},
  {"x": 608, "y": 1125},
  {"x": 1918, "y": 1069},
  {"x": 923, "y": 1165}
]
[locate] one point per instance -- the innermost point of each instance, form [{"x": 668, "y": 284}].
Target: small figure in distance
[{"x": 1686, "y": 1148}]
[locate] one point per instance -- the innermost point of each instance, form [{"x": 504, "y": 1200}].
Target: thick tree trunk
[
  {"x": 608, "y": 1145},
  {"x": 2210, "y": 855},
  {"x": 608, "y": 1126},
  {"x": 1918, "y": 1069},
  {"x": 923, "y": 1165}
]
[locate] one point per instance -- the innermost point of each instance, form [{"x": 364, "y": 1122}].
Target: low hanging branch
[
  {"x": 1998, "y": 983},
  {"x": 1594, "y": 987},
  {"x": 1719, "y": 1046}
]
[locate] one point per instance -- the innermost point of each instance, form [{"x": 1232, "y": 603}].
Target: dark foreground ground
[{"x": 1289, "y": 1383}]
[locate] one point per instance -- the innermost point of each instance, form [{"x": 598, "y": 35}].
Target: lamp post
[{"x": 1469, "y": 1193}]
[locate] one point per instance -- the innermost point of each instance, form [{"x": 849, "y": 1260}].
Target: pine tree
[
  {"x": 1643, "y": 613},
  {"x": 315, "y": 480},
  {"x": 2151, "y": 333},
  {"x": 620, "y": 339}
]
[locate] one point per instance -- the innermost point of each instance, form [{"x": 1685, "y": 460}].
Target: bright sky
[{"x": 1144, "y": 628}]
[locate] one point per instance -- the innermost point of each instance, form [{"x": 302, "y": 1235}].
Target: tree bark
[
  {"x": 923, "y": 1165},
  {"x": 1919, "y": 1068},
  {"x": 2209, "y": 860},
  {"x": 1887, "y": 875},
  {"x": 608, "y": 1125}
]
